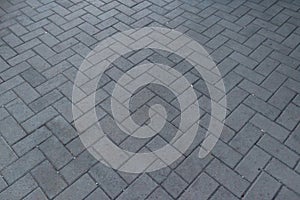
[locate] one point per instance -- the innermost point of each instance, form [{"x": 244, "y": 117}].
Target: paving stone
[
  {"x": 139, "y": 189},
  {"x": 108, "y": 179},
  {"x": 62, "y": 129},
  {"x": 37, "y": 194},
  {"x": 223, "y": 194},
  {"x": 227, "y": 177},
  {"x": 256, "y": 47},
  {"x": 21, "y": 166},
  {"x": 11, "y": 83},
  {"x": 31, "y": 141},
  {"x": 11, "y": 130},
  {"x": 285, "y": 193},
  {"x": 19, "y": 189},
  {"x": 289, "y": 117},
  {"x": 3, "y": 113},
  {"x": 33, "y": 77},
  {"x": 15, "y": 70},
  {"x": 51, "y": 84},
  {"x": 293, "y": 140},
  {"x": 78, "y": 190},
  {"x": 253, "y": 163},
  {"x": 252, "y": 88},
  {"x": 174, "y": 185},
  {"x": 239, "y": 117},
  {"x": 159, "y": 193},
  {"x": 7, "y": 154},
  {"x": 56, "y": 152},
  {"x": 278, "y": 150},
  {"x": 284, "y": 174},
  {"x": 264, "y": 108},
  {"x": 48, "y": 179},
  {"x": 273, "y": 81},
  {"x": 190, "y": 168},
  {"x": 265, "y": 187},
  {"x": 270, "y": 127},
  {"x": 249, "y": 74},
  {"x": 198, "y": 189},
  {"x": 78, "y": 166},
  {"x": 39, "y": 119},
  {"x": 45, "y": 101},
  {"x": 248, "y": 62},
  {"x": 235, "y": 97},
  {"x": 3, "y": 184},
  {"x": 26, "y": 92},
  {"x": 97, "y": 194}
]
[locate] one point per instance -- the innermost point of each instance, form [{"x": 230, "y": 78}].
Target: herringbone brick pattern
[{"x": 256, "y": 45}]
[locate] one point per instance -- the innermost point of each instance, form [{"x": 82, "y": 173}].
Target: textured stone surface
[{"x": 255, "y": 45}]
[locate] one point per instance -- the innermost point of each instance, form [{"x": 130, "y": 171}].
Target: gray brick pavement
[{"x": 255, "y": 44}]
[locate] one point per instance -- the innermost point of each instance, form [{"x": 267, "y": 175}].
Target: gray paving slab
[{"x": 255, "y": 45}]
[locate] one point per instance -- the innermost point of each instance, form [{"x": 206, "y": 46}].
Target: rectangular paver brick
[
  {"x": 78, "y": 190},
  {"x": 22, "y": 165},
  {"x": 48, "y": 179},
  {"x": 251, "y": 165},
  {"x": 108, "y": 179},
  {"x": 278, "y": 150},
  {"x": 227, "y": 177},
  {"x": 7, "y": 155},
  {"x": 283, "y": 173},
  {"x": 139, "y": 189},
  {"x": 202, "y": 188},
  {"x": 31, "y": 141},
  {"x": 265, "y": 187},
  {"x": 78, "y": 166},
  {"x": 11, "y": 130},
  {"x": 39, "y": 119},
  {"x": 19, "y": 189},
  {"x": 239, "y": 117},
  {"x": 56, "y": 152}
]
